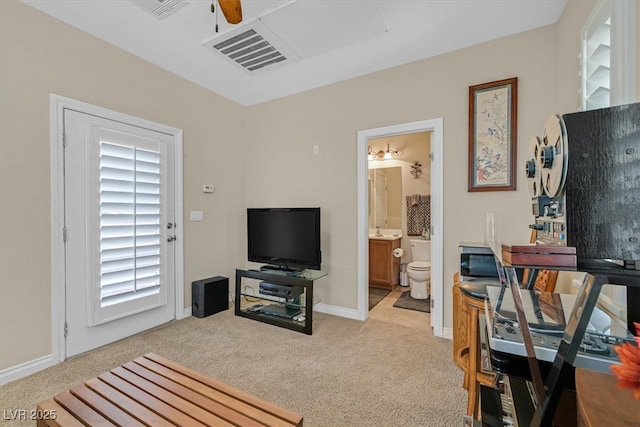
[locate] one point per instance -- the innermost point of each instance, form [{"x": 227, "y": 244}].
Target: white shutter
[
  {"x": 609, "y": 55},
  {"x": 127, "y": 238},
  {"x": 596, "y": 60},
  {"x": 129, "y": 223}
]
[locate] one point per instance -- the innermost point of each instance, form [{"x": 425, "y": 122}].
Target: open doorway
[{"x": 435, "y": 128}]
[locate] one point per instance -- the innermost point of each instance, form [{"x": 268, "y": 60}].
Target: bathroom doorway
[{"x": 399, "y": 146}]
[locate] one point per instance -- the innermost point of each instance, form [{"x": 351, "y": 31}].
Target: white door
[
  {"x": 436, "y": 127},
  {"x": 119, "y": 222}
]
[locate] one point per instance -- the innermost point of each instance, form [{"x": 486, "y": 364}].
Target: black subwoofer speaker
[{"x": 209, "y": 296}]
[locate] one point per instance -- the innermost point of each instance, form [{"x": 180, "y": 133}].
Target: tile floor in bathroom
[{"x": 386, "y": 312}]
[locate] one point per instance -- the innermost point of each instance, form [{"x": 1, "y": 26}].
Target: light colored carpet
[{"x": 348, "y": 373}]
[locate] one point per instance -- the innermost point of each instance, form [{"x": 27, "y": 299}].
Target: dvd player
[
  {"x": 281, "y": 291},
  {"x": 284, "y": 311}
]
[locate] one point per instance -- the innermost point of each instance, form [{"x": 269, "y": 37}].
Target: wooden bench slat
[
  {"x": 62, "y": 417},
  {"x": 200, "y": 400},
  {"x": 171, "y": 399},
  {"x": 78, "y": 409},
  {"x": 215, "y": 395},
  {"x": 225, "y": 388},
  {"x": 107, "y": 409},
  {"x": 121, "y": 400},
  {"x": 275, "y": 410},
  {"x": 153, "y": 391},
  {"x": 229, "y": 400},
  {"x": 151, "y": 402}
]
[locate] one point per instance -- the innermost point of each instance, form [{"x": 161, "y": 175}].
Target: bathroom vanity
[{"x": 384, "y": 268}]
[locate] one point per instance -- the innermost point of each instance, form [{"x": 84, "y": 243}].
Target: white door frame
[
  {"x": 57, "y": 105},
  {"x": 435, "y": 126}
]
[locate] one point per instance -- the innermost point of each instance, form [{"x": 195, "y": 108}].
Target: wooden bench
[{"x": 154, "y": 391}]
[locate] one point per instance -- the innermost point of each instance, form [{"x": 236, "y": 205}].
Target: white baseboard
[
  {"x": 25, "y": 369},
  {"x": 336, "y": 311},
  {"x": 447, "y": 333}
]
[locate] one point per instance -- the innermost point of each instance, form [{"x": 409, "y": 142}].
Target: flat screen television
[{"x": 284, "y": 238}]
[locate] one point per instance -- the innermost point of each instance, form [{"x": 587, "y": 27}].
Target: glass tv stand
[{"x": 280, "y": 298}]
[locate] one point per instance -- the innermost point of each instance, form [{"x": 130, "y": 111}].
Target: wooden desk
[
  {"x": 154, "y": 391},
  {"x": 601, "y": 403}
]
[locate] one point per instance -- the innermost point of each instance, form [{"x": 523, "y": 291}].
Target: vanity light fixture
[{"x": 387, "y": 154}]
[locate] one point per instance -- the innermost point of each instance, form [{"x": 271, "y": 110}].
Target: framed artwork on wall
[{"x": 492, "y": 135}]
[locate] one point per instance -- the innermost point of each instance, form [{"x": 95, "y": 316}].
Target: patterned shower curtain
[{"x": 418, "y": 214}]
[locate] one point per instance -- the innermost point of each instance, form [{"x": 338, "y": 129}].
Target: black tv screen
[{"x": 284, "y": 237}]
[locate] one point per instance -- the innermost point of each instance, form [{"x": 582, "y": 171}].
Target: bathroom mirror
[{"x": 385, "y": 197}]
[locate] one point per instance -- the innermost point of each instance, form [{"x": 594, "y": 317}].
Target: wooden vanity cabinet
[{"x": 384, "y": 268}]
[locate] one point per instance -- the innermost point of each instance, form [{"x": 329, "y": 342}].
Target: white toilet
[{"x": 419, "y": 269}]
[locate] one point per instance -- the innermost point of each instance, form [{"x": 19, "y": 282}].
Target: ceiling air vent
[
  {"x": 160, "y": 8},
  {"x": 252, "y": 47}
]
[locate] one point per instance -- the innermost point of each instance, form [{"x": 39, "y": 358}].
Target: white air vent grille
[
  {"x": 272, "y": 40},
  {"x": 253, "y": 47},
  {"x": 250, "y": 50},
  {"x": 160, "y": 8}
]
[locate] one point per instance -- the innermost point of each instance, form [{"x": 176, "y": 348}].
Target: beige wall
[
  {"x": 255, "y": 156},
  {"x": 40, "y": 55},
  {"x": 411, "y": 147},
  {"x": 330, "y": 117}
]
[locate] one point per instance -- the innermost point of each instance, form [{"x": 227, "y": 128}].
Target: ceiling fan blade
[{"x": 232, "y": 10}]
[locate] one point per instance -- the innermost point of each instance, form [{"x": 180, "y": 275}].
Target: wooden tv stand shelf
[{"x": 279, "y": 298}]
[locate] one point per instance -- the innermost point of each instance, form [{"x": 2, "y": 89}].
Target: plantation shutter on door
[{"x": 129, "y": 187}]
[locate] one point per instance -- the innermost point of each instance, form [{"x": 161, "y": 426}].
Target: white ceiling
[{"x": 402, "y": 31}]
